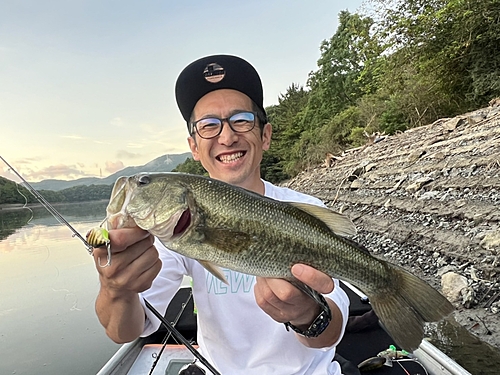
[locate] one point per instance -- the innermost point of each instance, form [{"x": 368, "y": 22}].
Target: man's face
[{"x": 231, "y": 157}]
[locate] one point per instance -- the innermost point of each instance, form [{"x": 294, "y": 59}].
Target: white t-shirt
[{"x": 234, "y": 334}]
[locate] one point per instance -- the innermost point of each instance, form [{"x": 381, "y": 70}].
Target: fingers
[
  {"x": 284, "y": 302},
  {"x": 134, "y": 261},
  {"x": 281, "y": 300},
  {"x": 266, "y": 291},
  {"x": 125, "y": 237},
  {"x": 122, "y": 239},
  {"x": 317, "y": 280}
]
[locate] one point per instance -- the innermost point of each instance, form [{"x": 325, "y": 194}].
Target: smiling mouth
[{"x": 229, "y": 158}]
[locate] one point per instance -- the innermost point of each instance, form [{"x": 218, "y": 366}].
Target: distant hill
[{"x": 163, "y": 163}]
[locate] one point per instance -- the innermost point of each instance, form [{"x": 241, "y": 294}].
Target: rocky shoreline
[{"x": 429, "y": 200}]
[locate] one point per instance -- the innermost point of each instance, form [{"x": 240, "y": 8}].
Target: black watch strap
[{"x": 318, "y": 325}]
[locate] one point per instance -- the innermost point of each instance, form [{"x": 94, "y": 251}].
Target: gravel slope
[{"x": 428, "y": 199}]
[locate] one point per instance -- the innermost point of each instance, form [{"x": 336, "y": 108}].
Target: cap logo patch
[{"x": 214, "y": 73}]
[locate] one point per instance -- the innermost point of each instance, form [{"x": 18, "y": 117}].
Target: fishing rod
[
  {"x": 172, "y": 330},
  {"x": 167, "y": 337},
  {"x": 181, "y": 338},
  {"x": 49, "y": 207}
]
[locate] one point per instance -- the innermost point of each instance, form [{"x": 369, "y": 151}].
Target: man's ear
[
  {"x": 194, "y": 148},
  {"x": 266, "y": 136}
]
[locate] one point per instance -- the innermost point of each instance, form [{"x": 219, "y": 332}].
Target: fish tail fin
[{"x": 407, "y": 305}]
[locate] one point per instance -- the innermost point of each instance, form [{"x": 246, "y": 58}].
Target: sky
[{"x": 87, "y": 86}]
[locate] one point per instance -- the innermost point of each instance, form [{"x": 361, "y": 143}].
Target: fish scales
[
  {"x": 221, "y": 225},
  {"x": 306, "y": 239}
]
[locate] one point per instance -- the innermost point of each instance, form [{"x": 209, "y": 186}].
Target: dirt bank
[{"x": 429, "y": 200}]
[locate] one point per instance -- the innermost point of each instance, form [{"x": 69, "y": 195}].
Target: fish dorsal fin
[
  {"x": 340, "y": 224},
  {"x": 214, "y": 270}
]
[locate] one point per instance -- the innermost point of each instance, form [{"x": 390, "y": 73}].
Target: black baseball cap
[{"x": 214, "y": 73}]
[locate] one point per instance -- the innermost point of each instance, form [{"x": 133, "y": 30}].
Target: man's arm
[
  {"x": 134, "y": 266},
  {"x": 285, "y": 303}
]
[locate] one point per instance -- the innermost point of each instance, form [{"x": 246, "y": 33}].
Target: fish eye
[{"x": 144, "y": 180}]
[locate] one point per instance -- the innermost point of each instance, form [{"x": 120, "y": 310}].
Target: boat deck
[{"x": 138, "y": 357}]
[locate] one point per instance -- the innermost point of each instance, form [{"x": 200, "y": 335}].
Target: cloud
[
  {"x": 21, "y": 166},
  {"x": 74, "y": 136},
  {"x": 24, "y": 161},
  {"x": 113, "y": 166},
  {"x": 61, "y": 171},
  {"x": 117, "y": 121},
  {"x": 135, "y": 145},
  {"x": 124, "y": 154}
]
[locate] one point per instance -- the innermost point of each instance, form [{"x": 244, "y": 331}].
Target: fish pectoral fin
[
  {"x": 340, "y": 224},
  {"x": 306, "y": 289},
  {"x": 214, "y": 270},
  {"x": 227, "y": 240}
]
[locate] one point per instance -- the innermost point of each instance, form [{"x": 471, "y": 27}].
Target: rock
[
  {"x": 452, "y": 286},
  {"x": 495, "y": 102},
  {"x": 452, "y": 124},
  {"x": 356, "y": 184},
  {"x": 418, "y": 184},
  {"x": 431, "y": 204},
  {"x": 468, "y": 295},
  {"x": 445, "y": 269},
  {"x": 491, "y": 240},
  {"x": 414, "y": 156}
]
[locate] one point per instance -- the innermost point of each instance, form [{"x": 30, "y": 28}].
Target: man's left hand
[{"x": 285, "y": 303}]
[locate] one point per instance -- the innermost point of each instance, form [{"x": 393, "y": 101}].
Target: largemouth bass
[{"x": 221, "y": 225}]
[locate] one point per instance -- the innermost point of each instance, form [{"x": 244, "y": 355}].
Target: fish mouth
[
  {"x": 183, "y": 223},
  {"x": 230, "y": 158}
]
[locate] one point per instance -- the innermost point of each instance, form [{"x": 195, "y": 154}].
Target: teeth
[{"x": 230, "y": 158}]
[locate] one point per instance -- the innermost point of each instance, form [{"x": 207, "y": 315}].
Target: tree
[
  {"x": 451, "y": 46},
  {"x": 345, "y": 71},
  {"x": 191, "y": 166}
]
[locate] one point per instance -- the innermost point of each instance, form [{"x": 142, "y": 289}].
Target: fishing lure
[{"x": 98, "y": 237}]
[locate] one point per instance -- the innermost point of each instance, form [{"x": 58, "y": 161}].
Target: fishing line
[
  {"x": 49, "y": 207},
  {"x": 25, "y": 202},
  {"x": 178, "y": 336},
  {"x": 410, "y": 360}
]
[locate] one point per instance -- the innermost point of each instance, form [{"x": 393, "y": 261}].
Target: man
[{"x": 240, "y": 328}]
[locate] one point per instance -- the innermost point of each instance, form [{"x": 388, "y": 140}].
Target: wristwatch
[{"x": 318, "y": 325}]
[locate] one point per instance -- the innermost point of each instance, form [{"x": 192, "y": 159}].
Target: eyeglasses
[{"x": 207, "y": 128}]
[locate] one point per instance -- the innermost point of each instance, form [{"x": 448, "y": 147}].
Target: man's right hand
[
  {"x": 134, "y": 261},
  {"x": 134, "y": 265}
]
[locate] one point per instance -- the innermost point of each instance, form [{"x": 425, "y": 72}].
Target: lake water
[{"x": 48, "y": 286}]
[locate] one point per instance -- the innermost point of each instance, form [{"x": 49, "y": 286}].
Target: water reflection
[
  {"x": 10, "y": 221},
  {"x": 14, "y": 219},
  {"x": 48, "y": 286},
  {"x": 475, "y": 355}
]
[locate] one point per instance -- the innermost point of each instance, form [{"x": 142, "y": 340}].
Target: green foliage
[
  {"x": 407, "y": 63},
  {"x": 451, "y": 44},
  {"x": 191, "y": 166},
  {"x": 12, "y": 193},
  {"x": 287, "y": 131},
  {"x": 85, "y": 193},
  {"x": 346, "y": 69}
]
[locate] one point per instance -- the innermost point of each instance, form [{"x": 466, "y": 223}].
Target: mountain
[{"x": 163, "y": 163}]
